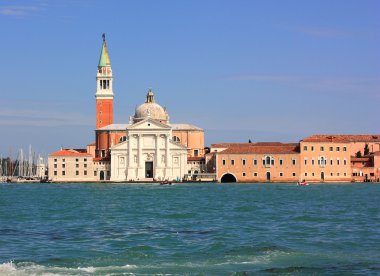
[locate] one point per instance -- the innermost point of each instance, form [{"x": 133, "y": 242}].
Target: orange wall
[
  {"x": 104, "y": 112},
  {"x": 287, "y": 168},
  {"x": 192, "y": 139}
]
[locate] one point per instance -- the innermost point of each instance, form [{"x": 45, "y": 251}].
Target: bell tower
[{"x": 104, "y": 92}]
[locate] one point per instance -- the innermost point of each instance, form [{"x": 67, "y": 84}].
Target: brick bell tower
[{"x": 104, "y": 92}]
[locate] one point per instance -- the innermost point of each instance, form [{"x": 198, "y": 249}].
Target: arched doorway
[
  {"x": 228, "y": 178},
  {"x": 102, "y": 175},
  {"x": 322, "y": 176},
  {"x": 268, "y": 176}
]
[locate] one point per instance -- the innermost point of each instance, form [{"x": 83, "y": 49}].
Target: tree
[
  {"x": 366, "y": 149},
  {"x": 358, "y": 154}
]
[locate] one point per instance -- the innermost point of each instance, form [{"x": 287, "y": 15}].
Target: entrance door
[
  {"x": 322, "y": 176},
  {"x": 149, "y": 169},
  {"x": 101, "y": 175},
  {"x": 268, "y": 176}
]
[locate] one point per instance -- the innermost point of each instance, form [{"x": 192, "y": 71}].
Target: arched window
[
  {"x": 176, "y": 139},
  {"x": 123, "y": 139},
  {"x": 267, "y": 160}
]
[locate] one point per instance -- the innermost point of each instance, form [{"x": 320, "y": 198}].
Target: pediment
[
  {"x": 120, "y": 146},
  {"x": 147, "y": 124}
]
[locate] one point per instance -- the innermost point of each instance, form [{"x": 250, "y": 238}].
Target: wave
[{"x": 31, "y": 269}]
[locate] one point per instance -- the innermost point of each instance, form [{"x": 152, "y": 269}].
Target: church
[{"x": 147, "y": 148}]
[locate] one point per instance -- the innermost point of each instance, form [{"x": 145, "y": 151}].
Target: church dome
[{"x": 151, "y": 109}]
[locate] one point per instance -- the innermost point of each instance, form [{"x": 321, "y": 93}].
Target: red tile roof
[
  {"x": 70, "y": 152},
  {"x": 343, "y": 138},
  {"x": 195, "y": 158},
  {"x": 262, "y": 148}
]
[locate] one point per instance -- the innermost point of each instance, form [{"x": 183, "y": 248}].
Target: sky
[{"x": 259, "y": 70}]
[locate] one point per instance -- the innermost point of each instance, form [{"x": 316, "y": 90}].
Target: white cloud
[{"x": 19, "y": 11}]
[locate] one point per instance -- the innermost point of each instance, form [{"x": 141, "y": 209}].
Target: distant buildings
[
  {"x": 317, "y": 158},
  {"x": 149, "y": 148}
]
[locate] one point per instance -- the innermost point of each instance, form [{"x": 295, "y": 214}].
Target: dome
[{"x": 150, "y": 109}]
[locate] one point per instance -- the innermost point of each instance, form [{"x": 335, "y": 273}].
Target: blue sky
[{"x": 259, "y": 70}]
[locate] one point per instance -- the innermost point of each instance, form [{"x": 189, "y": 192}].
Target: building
[
  {"x": 317, "y": 158},
  {"x": 149, "y": 147},
  {"x": 254, "y": 162}
]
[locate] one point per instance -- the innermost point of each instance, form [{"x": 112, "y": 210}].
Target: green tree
[
  {"x": 358, "y": 154},
  {"x": 366, "y": 149}
]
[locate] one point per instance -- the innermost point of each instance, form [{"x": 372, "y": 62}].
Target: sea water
[{"x": 192, "y": 229}]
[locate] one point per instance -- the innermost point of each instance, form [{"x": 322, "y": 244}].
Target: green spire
[{"x": 104, "y": 57}]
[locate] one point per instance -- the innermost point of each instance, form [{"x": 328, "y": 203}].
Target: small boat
[
  {"x": 166, "y": 182},
  {"x": 302, "y": 183}
]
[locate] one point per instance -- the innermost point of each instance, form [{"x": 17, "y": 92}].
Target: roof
[
  {"x": 70, "y": 152},
  {"x": 184, "y": 127},
  {"x": 104, "y": 59},
  {"x": 92, "y": 144},
  {"x": 342, "y": 138},
  {"x": 260, "y": 149},
  {"x": 195, "y": 158},
  {"x": 115, "y": 127}
]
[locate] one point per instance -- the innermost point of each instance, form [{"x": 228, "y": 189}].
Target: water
[{"x": 192, "y": 229}]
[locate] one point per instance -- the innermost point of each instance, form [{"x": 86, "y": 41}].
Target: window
[
  {"x": 344, "y": 162},
  {"x": 85, "y": 165},
  {"x": 312, "y": 161},
  {"x": 55, "y": 172},
  {"x": 55, "y": 160},
  {"x": 344, "y": 149},
  {"x": 312, "y": 148},
  {"x": 76, "y": 165},
  {"x": 176, "y": 139},
  {"x": 85, "y": 160},
  {"x": 224, "y": 162},
  {"x": 322, "y": 148},
  {"x": 305, "y": 148},
  {"x": 337, "y": 148},
  {"x": 243, "y": 173},
  {"x": 332, "y": 174},
  {"x": 312, "y": 174},
  {"x": 255, "y": 162},
  {"x": 267, "y": 160},
  {"x": 243, "y": 162},
  {"x": 85, "y": 172},
  {"x": 344, "y": 174},
  {"x": 305, "y": 161},
  {"x": 77, "y": 173},
  {"x": 255, "y": 174},
  {"x": 281, "y": 174},
  {"x": 232, "y": 162},
  {"x": 63, "y": 160},
  {"x": 63, "y": 165},
  {"x": 95, "y": 173},
  {"x": 76, "y": 160},
  {"x": 305, "y": 174},
  {"x": 331, "y": 161},
  {"x": 337, "y": 162},
  {"x": 55, "y": 166},
  {"x": 294, "y": 161},
  {"x": 63, "y": 173},
  {"x": 294, "y": 174},
  {"x": 196, "y": 152},
  {"x": 337, "y": 174},
  {"x": 281, "y": 162},
  {"x": 264, "y": 162},
  {"x": 331, "y": 148}
]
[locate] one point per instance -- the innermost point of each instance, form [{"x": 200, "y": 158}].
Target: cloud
[
  {"x": 366, "y": 85},
  {"x": 317, "y": 31},
  {"x": 39, "y": 118},
  {"x": 19, "y": 11}
]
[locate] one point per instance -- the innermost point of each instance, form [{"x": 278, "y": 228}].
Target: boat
[
  {"x": 303, "y": 183},
  {"x": 166, "y": 182}
]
